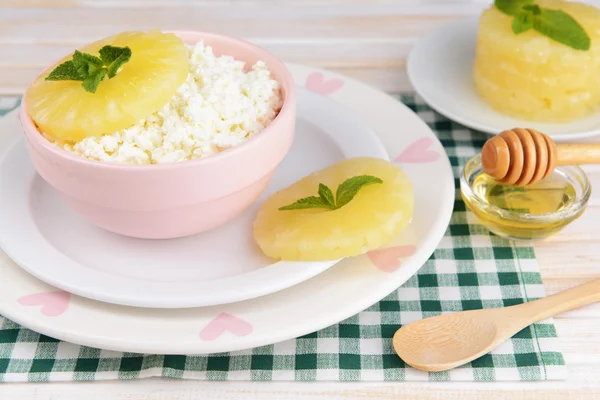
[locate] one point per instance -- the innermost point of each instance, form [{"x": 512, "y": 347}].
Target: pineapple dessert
[
  {"x": 373, "y": 203},
  {"x": 148, "y": 98},
  {"x": 539, "y": 60}
]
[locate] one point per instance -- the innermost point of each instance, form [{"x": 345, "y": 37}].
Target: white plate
[
  {"x": 217, "y": 267},
  {"x": 343, "y": 290},
  {"x": 440, "y": 68}
]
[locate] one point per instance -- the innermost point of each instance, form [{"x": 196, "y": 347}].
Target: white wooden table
[{"x": 366, "y": 39}]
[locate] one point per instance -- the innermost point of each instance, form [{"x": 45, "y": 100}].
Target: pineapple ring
[
  {"x": 64, "y": 111},
  {"x": 373, "y": 218}
]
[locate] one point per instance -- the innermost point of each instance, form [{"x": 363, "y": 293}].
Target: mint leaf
[
  {"x": 347, "y": 190},
  {"x": 534, "y": 9},
  {"x": 109, "y": 54},
  {"x": 345, "y": 193},
  {"x": 65, "y": 71},
  {"x": 555, "y": 24},
  {"x": 91, "y": 69},
  {"x": 511, "y": 7},
  {"x": 561, "y": 27},
  {"x": 307, "y": 202},
  {"x": 91, "y": 83},
  {"x": 86, "y": 64},
  {"x": 522, "y": 23},
  {"x": 326, "y": 195},
  {"x": 114, "y": 57}
]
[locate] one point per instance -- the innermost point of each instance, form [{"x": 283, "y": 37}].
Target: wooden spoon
[
  {"x": 524, "y": 156},
  {"x": 447, "y": 341}
]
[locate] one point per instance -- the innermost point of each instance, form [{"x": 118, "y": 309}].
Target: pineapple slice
[
  {"x": 65, "y": 112},
  {"x": 529, "y": 75},
  {"x": 373, "y": 218}
]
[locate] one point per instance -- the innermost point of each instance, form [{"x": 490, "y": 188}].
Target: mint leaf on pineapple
[
  {"x": 114, "y": 57},
  {"x": 326, "y": 195},
  {"x": 347, "y": 190},
  {"x": 86, "y": 64},
  {"x": 65, "y": 71},
  {"x": 91, "y": 83},
  {"x": 90, "y": 69},
  {"x": 522, "y": 23},
  {"x": 307, "y": 202},
  {"x": 511, "y": 7},
  {"x": 561, "y": 27},
  {"x": 345, "y": 193},
  {"x": 533, "y": 9},
  {"x": 109, "y": 54}
]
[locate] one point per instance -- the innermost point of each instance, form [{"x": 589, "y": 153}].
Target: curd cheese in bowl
[
  {"x": 181, "y": 167},
  {"x": 220, "y": 105}
]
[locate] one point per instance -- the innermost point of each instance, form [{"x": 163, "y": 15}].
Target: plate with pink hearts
[
  {"x": 221, "y": 266},
  {"x": 332, "y": 294}
]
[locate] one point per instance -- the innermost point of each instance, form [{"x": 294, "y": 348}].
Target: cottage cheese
[{"x": 219, "y": 106}]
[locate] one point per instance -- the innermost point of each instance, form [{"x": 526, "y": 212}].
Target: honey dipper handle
[{"x": 577, "y": 154}]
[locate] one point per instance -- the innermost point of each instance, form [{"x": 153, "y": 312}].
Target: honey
[{"x": 525, "y": 212}]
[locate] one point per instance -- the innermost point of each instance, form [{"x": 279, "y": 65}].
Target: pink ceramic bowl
[{"x": 179, "y": 199}]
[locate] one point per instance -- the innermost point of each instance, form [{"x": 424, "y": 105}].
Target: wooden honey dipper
[{"x": 525, "y": 156}]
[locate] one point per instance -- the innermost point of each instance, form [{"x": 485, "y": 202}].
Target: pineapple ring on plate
[
  {"x": 374, "y": 217},
  {"x": 64, "y": 111}
]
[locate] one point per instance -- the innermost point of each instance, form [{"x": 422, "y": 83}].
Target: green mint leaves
[
  {"x": 555, "y": 24},
  {"x": 348, "y": 189},
  {"x": 91, "y": 70},
  {"x": 326, "y": 196},
  {"x": 114, "y": 58},
  {"x": 562, "y": 28},
  {"x": 511, "y": 7},
  {"x": 522, "y": 23},
  {"x": 344, "y": 194},
  {"x": 307, "y": 202}
]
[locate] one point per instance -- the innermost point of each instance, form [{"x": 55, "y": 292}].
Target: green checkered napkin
[{"x": 470, "y": 269}]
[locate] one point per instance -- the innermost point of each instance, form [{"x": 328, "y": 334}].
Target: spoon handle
[{"x": 566, "y": 300}]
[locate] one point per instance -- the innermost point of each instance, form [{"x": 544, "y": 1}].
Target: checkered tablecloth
[{"x": 470, "y": 269}]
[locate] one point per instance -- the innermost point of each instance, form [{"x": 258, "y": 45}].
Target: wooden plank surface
[
  {"x": 368, "y": 40},
  {"x": 363, "y": 39}
]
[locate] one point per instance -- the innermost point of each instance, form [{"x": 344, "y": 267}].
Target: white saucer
[
  {"x": 45, "y": 237},
  {"x": 345, "y": 289},
  {"x": 440, "y": 69}
]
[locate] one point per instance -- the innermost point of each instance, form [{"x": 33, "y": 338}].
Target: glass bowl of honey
[{"x": 529, "y": 212}]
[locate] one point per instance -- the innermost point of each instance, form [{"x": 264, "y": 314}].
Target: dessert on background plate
[
  {"x": 539, "y": 59},
  {"x": 519, "y": 63}
]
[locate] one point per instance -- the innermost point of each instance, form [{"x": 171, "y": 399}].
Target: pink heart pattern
[
  {"x": 388, "y": 259},
  {"x": 315, "y": 82},
  {"x": 225, "y": 323},
  {"x": 53, "y": 303},
  {"x": 417, "y": 152}
]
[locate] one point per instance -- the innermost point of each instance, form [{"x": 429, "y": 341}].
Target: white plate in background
[{"x": 440, "y": 69}]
